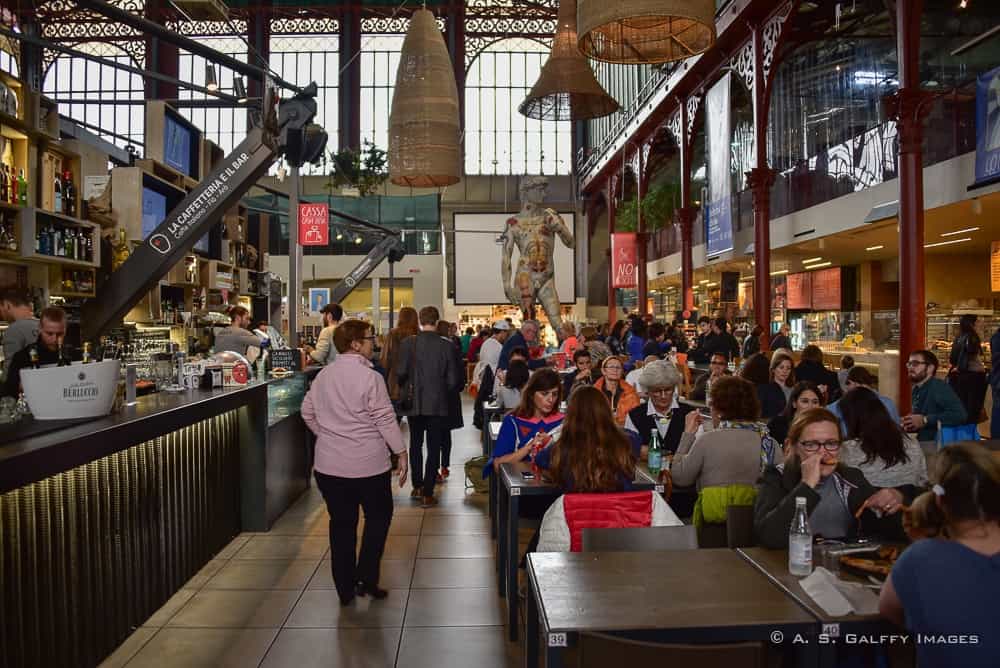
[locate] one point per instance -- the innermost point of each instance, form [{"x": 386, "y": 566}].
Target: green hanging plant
[
  {"x": 366, "y": 169},
  {"x": 658, "y": 205},
  {"x": 627, "y": 216}
]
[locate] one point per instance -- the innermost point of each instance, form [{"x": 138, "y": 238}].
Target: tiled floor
[{"x": 268, "y": 600}]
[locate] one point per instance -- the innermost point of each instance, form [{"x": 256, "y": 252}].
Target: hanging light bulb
[
  {"x": 239, "y": 90},
  {"x": 566, "y": 89},
  {"x": 340, "y": 234},
  {"x": 358, "y": 240},
  {"x": 645, "y": 31},
  {"x": 211, "y": 83}
]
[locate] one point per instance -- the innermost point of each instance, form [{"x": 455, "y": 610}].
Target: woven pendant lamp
[
  {"x": 567, "y": 89},
  {"x": 645, "y": 31},
  {"x": 424, "y": 126}
]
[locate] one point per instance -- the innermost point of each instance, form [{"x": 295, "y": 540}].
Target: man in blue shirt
[
  {"x": 859, "y": 376},
  {"x": 933, "y": 400},
  {"x": 523, "y": 338}
]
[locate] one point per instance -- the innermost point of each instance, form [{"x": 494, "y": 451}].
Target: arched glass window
[
  {"x": 302, "y": 59},
  {"x": 498, "y": 139},
  {"x": 105, "y": 100},
  {"x": 226, "y": 126},
  {"x": 379, "y": 59}
]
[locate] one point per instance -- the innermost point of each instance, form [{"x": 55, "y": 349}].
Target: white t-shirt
[
  {"x": 490, "y": 353},
  {"x": 633, "y": 379}
]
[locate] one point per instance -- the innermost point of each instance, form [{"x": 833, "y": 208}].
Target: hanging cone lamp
[
  {"x": 645, "y": 31},
  {"x": 567, "y": 89},
  {"x": 424, "y": 130}
]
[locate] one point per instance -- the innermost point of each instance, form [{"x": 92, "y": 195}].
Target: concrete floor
[{"x": 268, "y": 599}]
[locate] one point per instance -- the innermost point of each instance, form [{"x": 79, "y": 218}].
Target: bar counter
[{"x": 102, "y": 521}]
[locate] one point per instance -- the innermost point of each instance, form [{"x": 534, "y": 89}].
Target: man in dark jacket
[
  {"x": 527, "y": 335},
  {"x": 995, "y": 384},
  {"x": 721, "y": 342},
  {"x": 428, "y": 372},
  {"x": 811, "y": 368},
  {"x": 781, "y": 339}
]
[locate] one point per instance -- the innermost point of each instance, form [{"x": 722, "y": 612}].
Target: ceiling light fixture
[
  {"x": 711, "y": 285},
  {"x": 951, "y": 234},
  {"x": 211, "y": 83},
  {"x": 946, "y": 243},
  {"x": 817, "y": 266},
  {"x": 703, "y": 282},
  {"x": 779, "y": 273},
  {"x": 875, "y": 248},
  {"x": 357, "y": 240},
  {"x": 240, "y": 90},
  {"x": 811, "y": 260}
]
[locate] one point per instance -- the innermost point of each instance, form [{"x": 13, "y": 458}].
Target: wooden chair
[
  {"x": 640, "y": 539},
  {"x": 739, "y": 526},
  {"x": 599, "y": 650}
]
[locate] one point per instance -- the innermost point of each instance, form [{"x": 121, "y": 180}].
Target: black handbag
[{"x": 406, "y": 400}]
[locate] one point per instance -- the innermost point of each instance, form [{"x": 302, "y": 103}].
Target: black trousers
[
  {"x": 343, "y": 496},
  {"x": 446, "y": 449},
  {"x": 424, "y": 473}
]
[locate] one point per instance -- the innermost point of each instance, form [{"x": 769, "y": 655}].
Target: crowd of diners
[{"x": 767, "y": 432}]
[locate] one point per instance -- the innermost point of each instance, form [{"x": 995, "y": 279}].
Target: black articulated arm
[
  {"x": 190, "y": 220},
  {"x": 390, "y": 248}
]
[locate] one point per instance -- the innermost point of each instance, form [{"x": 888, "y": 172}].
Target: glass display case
[
  {"x": 943, "y": 329},
  {"x": 823, "y": 328},
  {"x": 284, "y": 397}
]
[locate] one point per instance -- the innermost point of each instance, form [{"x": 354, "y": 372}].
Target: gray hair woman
[{"x": 659, "y": 411}]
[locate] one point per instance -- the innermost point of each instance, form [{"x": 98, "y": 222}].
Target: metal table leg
[
  {"x": 531, "y": 632},
  {"x": 502, "y": 502},
  {"x": 513, "y": 516}
]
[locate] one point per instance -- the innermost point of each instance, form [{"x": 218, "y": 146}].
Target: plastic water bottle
[
  {"x": 654, "y": 459},
  {"x": 800, "y": 541}
]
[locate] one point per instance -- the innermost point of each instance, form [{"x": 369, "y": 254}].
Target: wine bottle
[
  {"x": 57, "y": 200},
  {"x": 69, "y": 194},
  {"x": 22, "y": 188}
]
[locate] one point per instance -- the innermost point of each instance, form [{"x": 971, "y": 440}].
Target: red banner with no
[
  {"x": 624, "y": 260},
  {"x": 314, "y": 228}
]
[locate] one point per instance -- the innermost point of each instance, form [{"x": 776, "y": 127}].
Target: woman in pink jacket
[{"x": 348, "y": 409}]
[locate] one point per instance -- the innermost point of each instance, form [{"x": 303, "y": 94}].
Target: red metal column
[
  {"x": 908, "y": 109},
  {"x": 164, "y": 58},
  {"x": 642, "y": 183},
  {"x": 760, "y": 179},
  {"x": 685, "y": 215},
  {"x": 612, "y": 307}
]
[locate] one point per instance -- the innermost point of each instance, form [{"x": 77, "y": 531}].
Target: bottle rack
[
  {"x": 71, "y": 281},
  {"x": 36, "y": 222}
]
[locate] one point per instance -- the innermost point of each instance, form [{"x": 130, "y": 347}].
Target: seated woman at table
[
  {"x": 726, "y": 461},
  {"x": 593, "y": 455},
  {"x": 531, "y": 424},
  {"x": 774, "y": 396},
  {"x": 509, "y": 394},
  {"x": 805, "y": 395},
  {"x": 622, "y": 396},
  {"x": 661, "y": 411},
  {"x": 947, "y": 585},
  {"x": 877, "y": 445},
  {"x": 835, "y": 493}
]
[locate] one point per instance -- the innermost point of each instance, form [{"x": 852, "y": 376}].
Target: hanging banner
[
  {"x": 718, "y": 207},
  {"x": 988, "y": 126},
  {"x": 624, "y": 260},
  {"x": 314, "y": 224}
]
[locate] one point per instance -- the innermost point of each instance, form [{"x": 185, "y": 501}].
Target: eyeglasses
[
  {"x": 662, "y": 391},
  {"x": 613, "y": 367},
  {"x": 717, "y": 363},
  {"x": 914, "y": 363},
  {"x": 813, "y": 446}
]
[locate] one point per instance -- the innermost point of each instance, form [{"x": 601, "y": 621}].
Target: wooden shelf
[
  {"x": 59, "y": 293},
  {"x": 29, "y": 221}
]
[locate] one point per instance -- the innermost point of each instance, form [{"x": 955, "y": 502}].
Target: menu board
[
  {"x": 290, "y": 359},
  {"x": 995, "y": 266},
  {"x": 799, "y": 291},
  {"x": 826, "y": 290}
]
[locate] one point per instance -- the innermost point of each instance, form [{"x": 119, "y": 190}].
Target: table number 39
[{"x": 557, "y": 640}]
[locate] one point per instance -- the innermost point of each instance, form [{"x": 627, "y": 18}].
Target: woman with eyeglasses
[
  {"x": 348, "y": 409},
  {"x": 805, "y": 395},
  {"x": 622, "y": 396},
  {"x": 835, "y": 494}
]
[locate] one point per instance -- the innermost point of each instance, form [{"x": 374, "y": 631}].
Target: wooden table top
[
  {"x": 774, "y": 564},
  {"x": 512, "y": 478},
  {"x": 634, "y": 591}
]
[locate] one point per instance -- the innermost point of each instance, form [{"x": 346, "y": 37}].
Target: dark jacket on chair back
[{"x": 435, "y": 370}]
